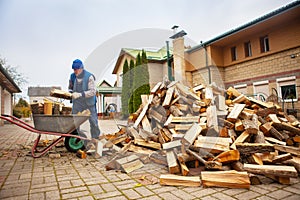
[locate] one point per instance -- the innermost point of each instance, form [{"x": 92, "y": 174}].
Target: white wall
[{"x": 7, "y": 103}]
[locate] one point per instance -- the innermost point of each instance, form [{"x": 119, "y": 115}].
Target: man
[{"x": 82, "y": 86}]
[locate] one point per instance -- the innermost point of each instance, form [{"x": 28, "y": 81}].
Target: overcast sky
[{"x": 43, "y": 37}]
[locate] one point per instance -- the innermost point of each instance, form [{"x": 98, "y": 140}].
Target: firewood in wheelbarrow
[{"x": 60, "y": 94}]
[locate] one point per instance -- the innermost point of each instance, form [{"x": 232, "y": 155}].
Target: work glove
[{"x": 76, "y": 95}]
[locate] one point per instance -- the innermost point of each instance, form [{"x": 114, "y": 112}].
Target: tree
[
  {"x": 21, "y": 109},
  {"x": 130, "y": 100},
  {"x": 141, "y": 80},
  {"x": 18, "y": 77},
  {"x": 125, "y": 89}
]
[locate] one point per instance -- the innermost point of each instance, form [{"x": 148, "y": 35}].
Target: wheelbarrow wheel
[{"x": 73, "y": 144}]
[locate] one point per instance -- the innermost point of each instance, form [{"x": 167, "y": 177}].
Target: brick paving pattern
[{"x": 69, "y": 177}]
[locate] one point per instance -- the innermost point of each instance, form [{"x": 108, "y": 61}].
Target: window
[
  {"x": 233, "y": 54},
  {"x": 264, "y": 44},
  {"x": 261, "y": 90},
  {"x": 241, "y": 88},
  {"x": 288, "y": 92},
  {"x": 287, "y": 88},
  {"x": 248, "y": 50}
]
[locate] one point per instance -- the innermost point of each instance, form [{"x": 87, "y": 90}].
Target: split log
[
  {"x": 238, "y": 126},
  {"x": 213, "y": 144},
  {"x": 171, "y": 145},
  {"x": 288, "y": 149},
  {"x": 175, "y": 111},
  {"x": 172, "y": 162},
  {"x": 254, "y": 180},
  {"x": 192, "y": 133},
  {"x": 208, "y": 164},
  {"x": 156, "y": 88},
  {"x": 282, "y": 158},
  {"x": 142, "y": 114},
  {"x": 185, "y": 119},
  {"x": 233, "y": 92},
  {"x": 240, "y": 139},
  {"x": 286, "y": 126},
  {"x": 149, "y": 144},
  {"x": 176, "y": 180},
  {"x": 295, "y": 161},
  {"x": 282, "y": 170},
  {"x": 234, "y": 114},
  {"x": 168, "y": 97},
  {"x": 225, "y": 179},
  {"x": 228, "y": 156},
  {"x": 250, "y": 148}
]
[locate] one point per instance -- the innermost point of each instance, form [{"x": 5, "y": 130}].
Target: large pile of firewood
[{"x": 222, "y": 135}]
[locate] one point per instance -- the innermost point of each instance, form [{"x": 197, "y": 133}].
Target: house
[
  {"x": 260, "y": 59},
  {"x": 39, "y": 94},
  {"x": 108, "y": 95},
  {"x": 157, "y": 64},
  {"x": 7, "y": 90}
]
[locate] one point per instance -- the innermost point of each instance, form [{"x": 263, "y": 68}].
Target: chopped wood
[
  {"x": 171, "y": 145},
  {"x": 240, "y": 139},
  {"x": 185, "y": 119},
  {"x": 131, "y": 166},
  {"x": 60, "y": 94},
  {"x": 225, "y": 179},
  {"x": 176, "y": 180},
  {"x": 250, "y": 148},
  {"x": 192, "y": 133},
  {"x": 212, "y": 144},
  {"x": 238, "y": 126},
  {"x": 146, "y": 124},
  {"x": 168, "y": 97},
  {"x": 150, "y": 144},
  {"x": 250, "y": 126},
  {"x": 156, "y": 87},
  {"x": 240, "y": 99},
  {"x": 175, "y": 111},
  {"x": 169, "y": 120},
  {"x": 233, "y": 92},
  {"x": 172, "y": 162},
  {"x": 208, "y": 164},
  {"x": 275, "y": 141},
  {"x": 282, "y": 158},
  {"x": 228, "y": 156},
  {"x": 212, "y": 120},
  {"x": 272, "y": 118},
  {"x": 234, "y": 114},
  {"x": 282, "y": 170},
  {"x": 184, "y": 169},
  {"x": 286, "y": 126},
  {"x": 288, "y": 149},
  {"x": 141, "y": 116},
  {"x": 254, "y": 179}
]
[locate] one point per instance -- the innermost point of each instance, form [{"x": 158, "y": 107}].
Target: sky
[{"x": 42, "y": 37}]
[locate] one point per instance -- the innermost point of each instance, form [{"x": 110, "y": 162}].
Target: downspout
[
  {"x": 206, "y": 64},
  {"x": 171, "y": 78}
]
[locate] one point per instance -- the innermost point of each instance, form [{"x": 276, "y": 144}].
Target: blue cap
[{"x": 77, "y": 64}]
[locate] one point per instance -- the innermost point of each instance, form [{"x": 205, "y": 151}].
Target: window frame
[
  {"x": 248, "y": 49},
  {"x": 233, "y": 51},
  {"x": 286, "y": 81},
  {"x": 264, "y": 44}
]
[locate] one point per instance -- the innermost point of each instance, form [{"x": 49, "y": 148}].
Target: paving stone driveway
[{"x": 69, "y": 177}]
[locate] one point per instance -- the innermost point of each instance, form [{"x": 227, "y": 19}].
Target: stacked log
[{"x": 196, "y": 129}]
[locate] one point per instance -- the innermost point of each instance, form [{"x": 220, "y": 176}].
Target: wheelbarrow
[{"x": 64, "y": 126}]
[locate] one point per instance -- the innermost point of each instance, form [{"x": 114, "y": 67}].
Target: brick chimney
[{"x": 178, "y": 56}]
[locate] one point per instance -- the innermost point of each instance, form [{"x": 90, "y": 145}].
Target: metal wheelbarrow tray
[{"x": 58, "y": 125}]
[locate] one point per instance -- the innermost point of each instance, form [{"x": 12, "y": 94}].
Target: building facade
[
  {"x": 7, "y": 89},
  {"x": 260, "y": 58}
]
